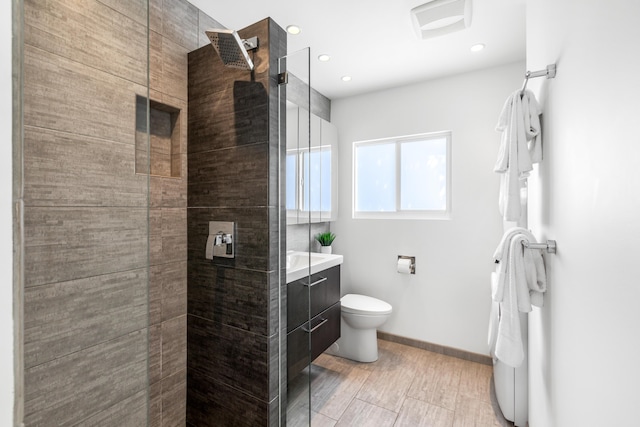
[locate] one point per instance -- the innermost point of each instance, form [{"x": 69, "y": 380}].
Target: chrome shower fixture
[{"x": 231, "y": 48}]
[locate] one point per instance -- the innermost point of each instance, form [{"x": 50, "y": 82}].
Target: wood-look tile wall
[
  {"x": 233, "y": 176},
  {"x": 105, "y": 248}
]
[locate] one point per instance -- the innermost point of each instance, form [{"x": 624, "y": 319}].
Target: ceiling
[{"x": 374, "y": 42}]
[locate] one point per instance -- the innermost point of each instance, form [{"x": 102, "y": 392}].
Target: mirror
[{"x": 312, "y": 167}]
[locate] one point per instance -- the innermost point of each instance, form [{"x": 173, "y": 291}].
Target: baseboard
[{"x": 436, "y": 348}]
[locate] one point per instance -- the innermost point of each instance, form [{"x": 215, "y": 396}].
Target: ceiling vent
[{"x": 439, "y": 17}]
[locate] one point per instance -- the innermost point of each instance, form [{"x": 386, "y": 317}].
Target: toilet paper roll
[{"x": 404, "y": 266}]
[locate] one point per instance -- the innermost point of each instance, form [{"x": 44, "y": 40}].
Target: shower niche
[{"x": 158, "y": 153}]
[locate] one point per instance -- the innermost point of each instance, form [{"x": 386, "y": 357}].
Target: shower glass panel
[
  {"x": 295, "y": 119},
  {"x": 87, "y": 347}
]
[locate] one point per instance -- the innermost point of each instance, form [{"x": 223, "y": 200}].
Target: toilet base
[{"x": 360, "y": 345}]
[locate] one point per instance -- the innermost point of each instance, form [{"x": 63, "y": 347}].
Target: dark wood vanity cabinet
[{"x": 316, "y": 298}]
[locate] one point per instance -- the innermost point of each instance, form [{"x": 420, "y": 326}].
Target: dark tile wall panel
[
  {"x": 214, "y": 124},
  {"x": 174, "y": 399},
  {"x": 67, "y": 96},
  {"x": 252, "y": 235},
  {"x": 136, "y": 10},
  {"x": 174, "y": 69},
  {"x": 231, "y": 355},
  {"x": 155, "y": 404},
  {"x": 167, "y": 235},
  {"x": 71, "y": 388},
  {"x": 155, "y": 14},
  {"x": 214, "y": 177},
  {"x": 155, "y": 353},
  {"x": 168, "y": 192},
  {"x": 213, "y": 404},
  {"x": 107, "y": 177},
  {"x": 69, "y": 243},
  {"x": 233, "y": 316},
  {"x": 96, "y": 309},
  {"x": 128, "y": 412},
  {"x": 180, "y": 23},
  {"x": 171, "y": 279},
  {"x": 235, "y": 297},
  {"x": 174, "y": 346},
  {"x": 94, "y": 35}
]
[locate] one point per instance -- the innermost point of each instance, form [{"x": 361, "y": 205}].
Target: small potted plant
[{"x": 325, "y": 240}]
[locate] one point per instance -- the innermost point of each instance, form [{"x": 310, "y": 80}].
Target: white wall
[
  {"x": 585, "y": 342},
  {"x": 6, "y": 248},
  {"x": 447, "y": 301}
]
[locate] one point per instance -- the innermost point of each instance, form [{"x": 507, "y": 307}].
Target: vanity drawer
[
  {"x": 324, "y": 330},
  {"x": 324, "y": 289}
]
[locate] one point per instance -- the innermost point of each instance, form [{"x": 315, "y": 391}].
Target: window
[{"x": 405, "y": 177}]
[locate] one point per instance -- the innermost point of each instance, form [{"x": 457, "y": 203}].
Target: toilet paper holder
[{"x": 401, "y": 265}]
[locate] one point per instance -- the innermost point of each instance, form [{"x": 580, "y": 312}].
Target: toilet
[{"x": 361, "y": 315}]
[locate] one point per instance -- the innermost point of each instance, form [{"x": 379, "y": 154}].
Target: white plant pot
[{"x": 325, "y": 249}]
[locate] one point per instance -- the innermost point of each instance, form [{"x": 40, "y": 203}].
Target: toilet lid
[{"x": 362, "y": 304}]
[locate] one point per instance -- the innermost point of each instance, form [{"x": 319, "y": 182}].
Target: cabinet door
[
  {"x": 326, "y": 291},
  {"x": 323, "y": 330},
  {"x": 318, "y": 293}
]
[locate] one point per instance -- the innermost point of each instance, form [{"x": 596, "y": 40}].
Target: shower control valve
[
  {"x": 220, "y": 242},
  {"x": 223, "y": 239}
]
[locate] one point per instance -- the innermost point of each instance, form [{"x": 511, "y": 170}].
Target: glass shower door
[
  {"x": 295, "y": 118},
  {"x": 82, "y": 144}
]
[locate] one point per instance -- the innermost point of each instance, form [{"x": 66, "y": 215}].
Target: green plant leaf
[{"x": 325, "y": 239}]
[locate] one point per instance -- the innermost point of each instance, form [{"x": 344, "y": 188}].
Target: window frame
[{"x": 399, "y": 213}]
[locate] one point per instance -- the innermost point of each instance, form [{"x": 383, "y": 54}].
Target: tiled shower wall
[
  {"x": 86, "y": 217},
  {"x": 233, "y": 176}
]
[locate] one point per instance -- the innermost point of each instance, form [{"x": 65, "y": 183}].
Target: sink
[{"x": 298, "y": 263}]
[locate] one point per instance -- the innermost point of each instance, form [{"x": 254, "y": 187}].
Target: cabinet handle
[
  {"x": 315, "y": 327},
  {"x": 322, "y": 279}
]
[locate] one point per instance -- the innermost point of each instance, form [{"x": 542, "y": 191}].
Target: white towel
[
  {"x": 520, "y": 147},
  {"x": 519, "y": 278},
  {"x": 532, "y": 125},
  {"x": 499, "y": 255},
  {"x": 494, "y": 317},
  {"x": 508, "y": 341}
]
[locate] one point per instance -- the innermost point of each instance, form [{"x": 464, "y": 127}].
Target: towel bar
[
  {"x": 549, "y": 72},
  {"x": 550, "y": 246}
]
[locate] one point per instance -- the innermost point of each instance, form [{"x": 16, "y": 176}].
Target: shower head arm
[{"x": 250, "y": 43}]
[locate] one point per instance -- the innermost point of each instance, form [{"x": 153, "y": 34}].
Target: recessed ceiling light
[
  {"x": 293, "y": 29},
  {"x": 477, "y": 47},
  {"x": 346, "y": 78},
  {"x": 324, "y": 57}
]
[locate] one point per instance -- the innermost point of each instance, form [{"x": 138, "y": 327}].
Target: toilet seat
[{"x": 362, "y": 304}]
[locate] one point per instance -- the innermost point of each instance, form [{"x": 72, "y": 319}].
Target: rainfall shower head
[{"x": 232, "y": 49}]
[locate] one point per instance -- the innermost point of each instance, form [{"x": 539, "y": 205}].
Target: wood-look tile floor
[{"x": 406, "y": 387}]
